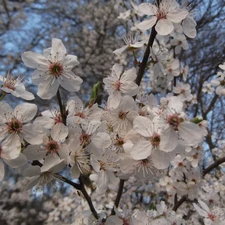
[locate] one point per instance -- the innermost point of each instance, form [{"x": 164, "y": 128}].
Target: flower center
[
  {"x": 57, "y": 118},
  {"x": 52, "y": 146},
  {"x": 155, "y": 140},
  {"x": 10, "y": 84},
  {"x": 117, "y": 85},
  {"x": 119, "y": 142},
  {"x": 122, "y": 115},
  {"x": 212, "y": 217},
  {"x": 14, "y": 126},
  {"x": 80, "y": 114},
  {"x": 85, "y": 139},
  {"x": 174, "y": 121},
  {"x": 161, "y": 14},
  {"x": 56, "y": 69}
]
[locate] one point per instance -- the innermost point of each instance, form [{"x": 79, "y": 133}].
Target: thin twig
[
  {"x": 179, "y": 203},
  {"x": 62, "y": 111},
  {"x": 88, "y": 198},
  {"x": 143, "y": 64},
  {"x": 118, "y": 197},
  {"x": 213, "y": 166},
  {"x": 64, "y": 179}
]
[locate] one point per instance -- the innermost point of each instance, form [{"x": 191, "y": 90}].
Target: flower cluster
[{"x": 134, "y": 135}]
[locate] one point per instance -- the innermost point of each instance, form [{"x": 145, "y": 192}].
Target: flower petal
[
  {"x": 48, "y": 89},
  {"x": 148, "y": 9},
  {"x": 141, "y": 150},
  {"x": 25, "y": 112},
  {"x": 147, "y": 24},
  {"x": 70, "y": 82},
  {"x": 164, "y": 27},
  {"x": 58, "y": 50},
  {"x": 35, "y": 60},
  {"x": 143, "y": 126}
]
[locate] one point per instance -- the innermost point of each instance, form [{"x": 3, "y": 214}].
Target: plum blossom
[
  {"x": 119, "y": 83},
  {"x": 15, "y": 87},
  {"x": 45, "y": 174},
  {"x": 50, "y": 119},
  {"x": 131, "y": 44},
  {"x": 215, "y": 216},
  {"x": 53, "y": 69},
  {"x": 164, "y": 15},
  {"x": 15, "y": 126}
]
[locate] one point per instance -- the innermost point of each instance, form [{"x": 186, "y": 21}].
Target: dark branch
[
  {"x": 62, "y": 109},
  {"x": 64, "y": 179},
  {"x": 143, "y": 64},
  {"x": 179, "y": 203},
  {"x": 118, "y": 197},
  {"x": 213, "y": 166},
  {"x": 88, "y": 198}
]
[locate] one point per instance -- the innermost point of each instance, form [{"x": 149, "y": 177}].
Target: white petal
[
  {"x": 141, "y": 150},
  {"x": 58, "y": 50},
  {"x": 75, "y": 172},
  {"x": 32, "y": 183},
  {"x": 32, "y": 171},
  {"x": 168, "y": 140},
  {"x": 11, "y": 147},
  {"x": 19, "y": 161},
  {"x": 114, "y": 100},
  {"x": 48, "y": 89},
  {"x": 117, "y": 70},
  {"x": 59, "y": 132},
  {"x": 3, "y": 131},
  {"x": 161, "y": 160},
  {"x": 35, "y": 60},
  {"x": 129, "y": 88},
  {"x": 33, "y": 134},
  {"x": 129, "y": 75},
  {"x": 164, "y": 27},
  {"x": 39, "y": 76},
  {"x": 58, "y": 167},
  {"x": 120, "y": 50},
  {"x": 5, "y": 111},
  {"x": 177, "y": 16},
  {"x": 71, "y": 82},
  {"x": 143, "y": 126},
  {"x": 34, "y": 152},
  {"x": 200, "y": 210},
  {"x": 50, "y": 162},
  {"x": 147, "y": 24},
  {"x": 191, "y": 133},
  {"x": 112, "y": 220},
  {"x": 189, "y": 27},
  {"x": 148, "y": 9},
  {"x": 204, "y": 206},
  {"x": 25, "y": 112},
  {"x": 22, "y": 93},
  {"x": 101, "y": 140},
  {"x": 70, "y": 62}
]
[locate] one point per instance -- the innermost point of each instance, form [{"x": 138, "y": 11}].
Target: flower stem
[
  {"x": 119, "y": 195},
  {"x": 144, "y": 62},
  {"x": 88, "y": 198},
  {"x": 62, "y": 109}
]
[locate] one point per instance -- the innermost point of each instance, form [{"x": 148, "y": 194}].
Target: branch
[
  {"x": 143, "y": 64},
  {"x": 62, "y": 111},
  {"x": 88, "y": 198},
  {"x": 213, "y": 166},
  {"x": 212, "y": 103},
  {"x": 64, "y": 179},
  {"x": 118, "y": 197},
  {"x": 179, "y": 203}
]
